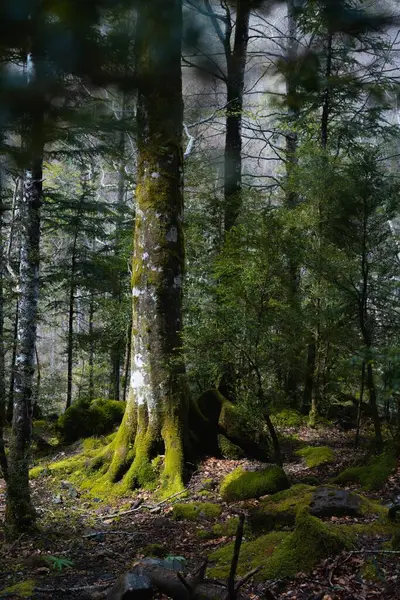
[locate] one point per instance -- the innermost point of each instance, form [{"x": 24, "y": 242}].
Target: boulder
[{"x": 332, "y": 502}]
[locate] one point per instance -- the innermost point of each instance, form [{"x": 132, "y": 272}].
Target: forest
[{"x": 200, "y": 299}]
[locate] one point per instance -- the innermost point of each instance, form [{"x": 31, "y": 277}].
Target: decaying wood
[{"x": 149, "y": 577}]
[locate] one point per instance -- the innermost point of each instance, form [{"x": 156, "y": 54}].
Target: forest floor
[{"x": 88, "y": 543}]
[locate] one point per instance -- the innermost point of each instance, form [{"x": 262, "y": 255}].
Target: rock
[
  {"x": 57, "y": 500},
  {"x": 131, "y": 586},
  {"x": 332, "y": 502},
  {"x": 71, "y": 490}
]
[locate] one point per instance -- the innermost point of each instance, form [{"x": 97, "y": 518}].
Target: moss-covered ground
[{"x": 89, "y": 526}]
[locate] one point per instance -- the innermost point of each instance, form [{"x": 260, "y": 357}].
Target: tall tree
[{"x": 157, "y": 404}]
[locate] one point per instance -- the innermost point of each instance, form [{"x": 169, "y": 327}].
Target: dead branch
[{"x": 235, "y": 558}]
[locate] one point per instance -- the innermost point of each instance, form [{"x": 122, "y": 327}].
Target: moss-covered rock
[
  {"x": 229, "y": 450},
  {"x": 288, "y": 418},
  {"x": 372, "y": 475},
  {"x": 24, "y": 589},
  {"x": 85, "y": 419},
  {"x": 279, "y": 510},
  {"x": 196, "y": 510},
  {"x": 316, "y": 455},
  {"x": 283, "y": 554},
  {"x": 243, "y": 485}
]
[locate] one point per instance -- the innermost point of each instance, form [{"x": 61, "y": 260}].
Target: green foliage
[
  {"x": 372, "y": 475},
  {"x": 316, "y": 455},
  {"x": 288, "y": 418},
  {"x": 243, "y": 485},
  {"x": 58, "y": 564},
  {"x": 84, "y": 419},
  {"x": 196, "y": 510}
]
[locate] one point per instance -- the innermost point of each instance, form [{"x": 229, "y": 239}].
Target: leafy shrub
[
  {"x": 288, "y": 418},
  {"x": 85, "y": 419}
]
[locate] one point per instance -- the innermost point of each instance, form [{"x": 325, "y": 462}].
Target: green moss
[
  {"x": 196, "y": 510},
  {"x": 288, "y": 418},
  {"x": 316, "y": 455},
  {"x": 172, "y": 473},
  {"x": 84, "y": 419},
  {"x": 228, "y": 449},
  {"x": 92, "y": 443},
  {"x": 37, "y": 472},
  {"x": 370, "y": 571},
  {"x": 284, "y": 554},
  {"x": 24, "y": 589},
  {"x": 207, "y": 484},
  {"x": 280, "y": 509},
  {"x": 243, "y": 485},
  {"x": 252, "y": 554},
  {"x": 372, "y": 475},
  {"x": 310, "y": 480}
]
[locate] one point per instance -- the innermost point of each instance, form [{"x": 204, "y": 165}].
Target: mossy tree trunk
[
  {"x": 20, "y": 514},
  {"x": 156, "y": 410},
  {"x": 3, "y": 459}
]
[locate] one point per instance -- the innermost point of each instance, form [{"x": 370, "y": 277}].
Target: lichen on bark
[{"x": 156, "y": 409}]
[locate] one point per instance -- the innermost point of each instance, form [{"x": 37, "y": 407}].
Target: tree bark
[
  {"x": 91, "y": 348},
  {"x": 3, "y": 459},
  {"x": 156, "y": 410},
  {"x": 291, "y": 197},
  {"x": 71, "y": 316},
  {"x": 20, "y": 513},
  {"x": 236, "y": 67},
  {"x": 10, "y": 400}
]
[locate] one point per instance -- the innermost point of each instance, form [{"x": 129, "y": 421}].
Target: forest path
[{"x": 87, "y": 547}]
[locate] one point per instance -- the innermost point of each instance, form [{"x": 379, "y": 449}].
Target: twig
[
  {"x": 81, "y": 588},
  {"x": 375, "y": 552},
  {"x": 151, "y": 508},
  {"x": 201, "y": 571},
  {"x": 97, "y": 533},
  {"x": 246, "y": 577},
  {"x": 235, "y": 558}
]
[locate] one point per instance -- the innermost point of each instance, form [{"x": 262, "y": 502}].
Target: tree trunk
[
  {"x": 71, "y": 316},
  {"x": 117, "y": 347},
  {"x": 20, "y": 514},
  {"x": 156, "y": 410},
  {"x": 3, "y": 459},
  {"x": 127, "y": 361},
  {"x": 374, "y": 406},
  {"x": 360, "y": 401},
  {"x": 236, "y": 67},
  {"x": 91, "y": 348},
  {"x": 10, "y": 400},
  {"x": 314, "y": 347},
  {"x": 291, "y": 197}
]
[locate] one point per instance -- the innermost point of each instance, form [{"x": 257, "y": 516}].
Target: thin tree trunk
[
  {"x": 10, "y": 402},
  {"x": 127, "y": 362},
  {"x": 3, "y": 459},
  {"x": 91, "y": 348},
  {"x": 71, "y": 317},
  {"x": 20, "y": 513},
  {"x": 236, "y": 68},
  {"x": 291, "y": 196},
  {"x": 374, "y": 406},
  {"x": 313, "y": 350},
  {"x": 360, "y": 401},
  {"x": 156, "y": 410}
]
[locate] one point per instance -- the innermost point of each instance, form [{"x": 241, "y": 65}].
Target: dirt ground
[{"x": 88, "y": 544}]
